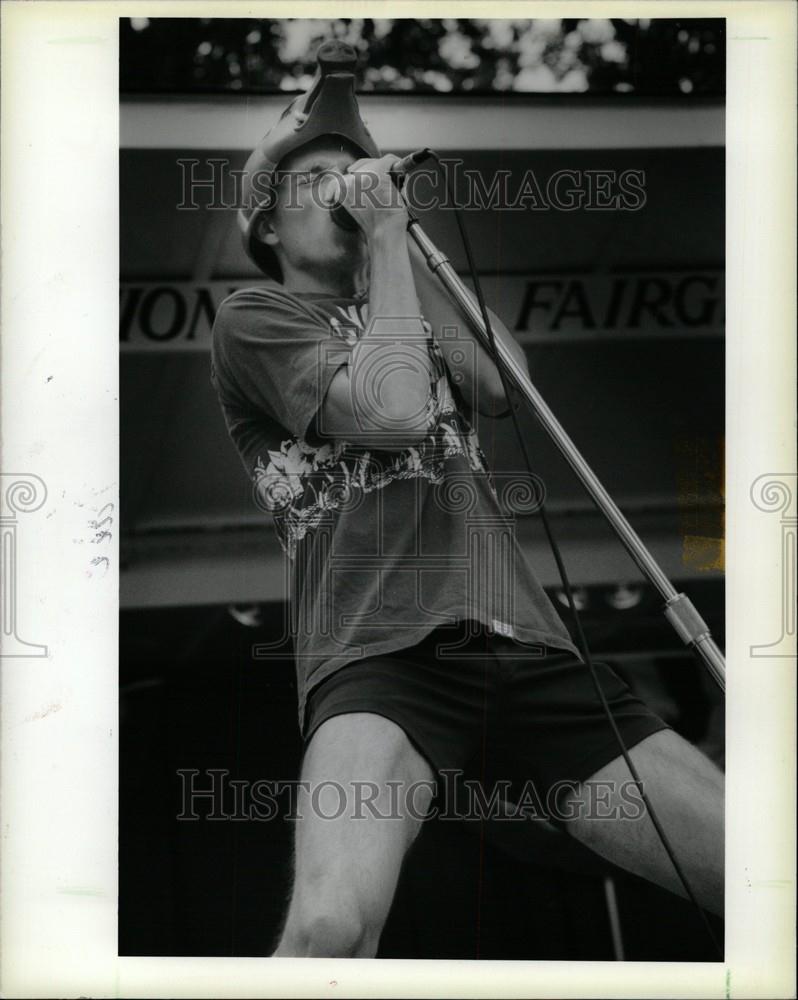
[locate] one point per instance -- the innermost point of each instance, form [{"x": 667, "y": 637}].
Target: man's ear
[{"x": 264, "y": 231}]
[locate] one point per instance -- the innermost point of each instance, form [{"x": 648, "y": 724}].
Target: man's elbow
[
  {"x": 407, "y": 420},
  {"x": 392, "y": 424},
  {"x": 491, "y": 398},
  {"x": 392, "y": 439}
]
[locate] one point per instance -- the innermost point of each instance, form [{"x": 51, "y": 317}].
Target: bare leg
[
  {"x": 686, "y": 791},
  {"x": 346, "y": 868}
]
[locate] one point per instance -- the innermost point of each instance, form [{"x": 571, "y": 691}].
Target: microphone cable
[{"x": 582, "y": 641}]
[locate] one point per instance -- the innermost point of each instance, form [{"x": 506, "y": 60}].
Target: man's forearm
[
  {"x": 392, "y": 289},
  {"x": 395, "y": 346}
]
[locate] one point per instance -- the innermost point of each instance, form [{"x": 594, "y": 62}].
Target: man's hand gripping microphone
[{"x": 397, "y": 172}]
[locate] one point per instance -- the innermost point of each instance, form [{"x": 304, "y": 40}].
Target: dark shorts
[{"x": 491, "y": 703}]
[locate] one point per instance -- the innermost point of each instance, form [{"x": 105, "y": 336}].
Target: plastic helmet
[{"x": 328, "y": 108}]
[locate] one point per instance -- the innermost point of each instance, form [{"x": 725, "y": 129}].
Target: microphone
[
  {"x": 397, "y": 173},
  {"x": 408, "y": 163}
]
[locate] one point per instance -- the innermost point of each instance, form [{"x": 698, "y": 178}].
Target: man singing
[{"x": 422, "y": 636}]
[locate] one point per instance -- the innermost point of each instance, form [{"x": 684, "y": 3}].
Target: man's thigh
[
  {"x": 686, "y": 792},
  {"x": 364, "y": 792}
]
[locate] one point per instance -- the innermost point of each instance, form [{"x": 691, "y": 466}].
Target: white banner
[{"x": 178, "y": 316}]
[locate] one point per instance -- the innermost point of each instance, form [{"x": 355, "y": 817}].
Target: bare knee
[
  {"x": 324, "y": 931},
  {"x": 346, "y": 870}
]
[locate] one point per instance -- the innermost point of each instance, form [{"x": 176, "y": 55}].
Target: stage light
[
  {"x": 581, "y": 598},
  {"x": 249, "y": 615},
  {"x": 625, "y": 596}
]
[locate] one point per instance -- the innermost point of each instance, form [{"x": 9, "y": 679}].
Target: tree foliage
[{"x": 659, "y": 57}]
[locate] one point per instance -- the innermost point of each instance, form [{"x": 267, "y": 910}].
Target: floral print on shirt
[{"x": 301, "y": 483}]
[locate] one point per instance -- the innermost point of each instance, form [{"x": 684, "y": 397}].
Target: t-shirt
[{"x": 383, "y": 545}]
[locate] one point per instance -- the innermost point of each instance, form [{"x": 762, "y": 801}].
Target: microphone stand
[{"x": 679, "y": 609}]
